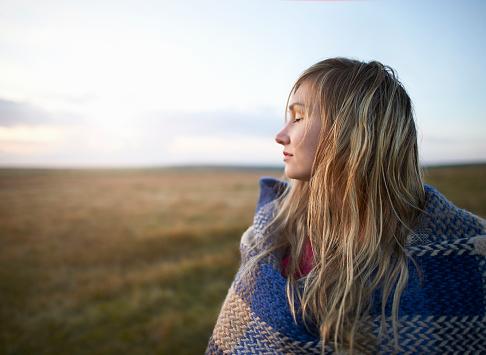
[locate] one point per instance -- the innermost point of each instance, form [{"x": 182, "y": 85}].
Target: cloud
[
  {"x": 229, "y": 150},
  {"x": 30, "y": 140},
  {"x": 221, "y": 123},
  {"x": 434, "y": 149},
  {"x": 12, "y": 112},
  {"x": 158, "y": 138},
  {"x": 18, "y": 112}
]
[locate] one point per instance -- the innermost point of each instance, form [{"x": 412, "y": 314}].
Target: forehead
[{"x": 298, "y": 98}]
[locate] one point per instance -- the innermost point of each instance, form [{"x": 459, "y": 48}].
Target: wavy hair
[{"x": 363, "y": 200}]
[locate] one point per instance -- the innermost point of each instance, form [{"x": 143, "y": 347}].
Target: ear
[{"x": 270, "y": 189}]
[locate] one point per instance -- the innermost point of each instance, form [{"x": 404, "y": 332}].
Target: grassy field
[{"x": 133, "y": 261}]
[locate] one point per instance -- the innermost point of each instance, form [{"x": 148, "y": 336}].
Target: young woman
[{"x": 350, "y": 250}]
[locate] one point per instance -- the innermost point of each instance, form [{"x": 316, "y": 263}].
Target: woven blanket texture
[{"x": 442, "y": 313}]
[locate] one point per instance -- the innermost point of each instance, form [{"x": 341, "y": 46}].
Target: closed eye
[{"x": 294, "y": 119}]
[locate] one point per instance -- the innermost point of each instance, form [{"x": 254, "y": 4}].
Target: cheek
[
  {"x": 314, "y": 139},
  {"x": 311, "y": 149},
  {"x": 297, "y": 137},
  {"x": 300, "y": 138}
]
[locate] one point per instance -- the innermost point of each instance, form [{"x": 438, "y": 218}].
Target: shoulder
[
  {"x": 448, "y": 257},
  {"x": 443, "y": 221},
  {"x": 449, "y": 244}
]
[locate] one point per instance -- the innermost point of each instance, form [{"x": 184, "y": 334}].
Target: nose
[{"x": 282, "y": 137}]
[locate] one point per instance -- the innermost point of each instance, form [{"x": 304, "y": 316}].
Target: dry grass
[{"x": 132, "y": 261}]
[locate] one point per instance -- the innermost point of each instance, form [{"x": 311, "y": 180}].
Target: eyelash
[{"x": 295, "y": 120}]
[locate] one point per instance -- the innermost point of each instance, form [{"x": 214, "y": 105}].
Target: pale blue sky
[{"x": 134, "y": 83}]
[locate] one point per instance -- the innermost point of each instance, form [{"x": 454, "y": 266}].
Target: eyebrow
[{"x": 291, "y": 107}]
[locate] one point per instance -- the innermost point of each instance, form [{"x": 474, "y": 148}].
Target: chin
[{"x": 297, "y": 175}]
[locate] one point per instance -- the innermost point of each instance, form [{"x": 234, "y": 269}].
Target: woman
[{"x": 351, "y": 250}]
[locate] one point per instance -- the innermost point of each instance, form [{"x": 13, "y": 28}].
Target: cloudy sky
[{"x": 148, "y": 83}]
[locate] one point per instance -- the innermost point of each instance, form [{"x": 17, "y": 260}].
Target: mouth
[{"x": 287, "y": 156}]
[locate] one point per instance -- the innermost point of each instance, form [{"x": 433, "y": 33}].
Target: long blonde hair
[{"x": 363, "y": 199}]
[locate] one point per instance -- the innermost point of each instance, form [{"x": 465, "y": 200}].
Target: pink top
[{"x": 306, "y": 263}]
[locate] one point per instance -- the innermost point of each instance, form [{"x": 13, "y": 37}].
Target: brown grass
[{"x": 132, "y": 261}]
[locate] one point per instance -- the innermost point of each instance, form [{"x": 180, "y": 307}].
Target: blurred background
[{"x": 133, "y": 134}]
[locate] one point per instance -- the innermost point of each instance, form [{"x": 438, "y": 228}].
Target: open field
[{"x": 134, "y": 261}]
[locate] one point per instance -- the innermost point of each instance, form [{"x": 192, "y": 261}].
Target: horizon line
[{"x": 200, "y": 166}]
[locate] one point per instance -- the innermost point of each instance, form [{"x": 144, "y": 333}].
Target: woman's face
[{"x": 299, "y": 151}]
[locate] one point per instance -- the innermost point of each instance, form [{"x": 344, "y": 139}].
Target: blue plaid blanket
[{"x": 442, "y": 312}]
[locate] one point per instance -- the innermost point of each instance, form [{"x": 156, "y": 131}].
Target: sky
[{"x": 156, "y": 83}]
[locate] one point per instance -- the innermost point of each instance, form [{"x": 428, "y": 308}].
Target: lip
[{"x": 287, "y": 156}]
